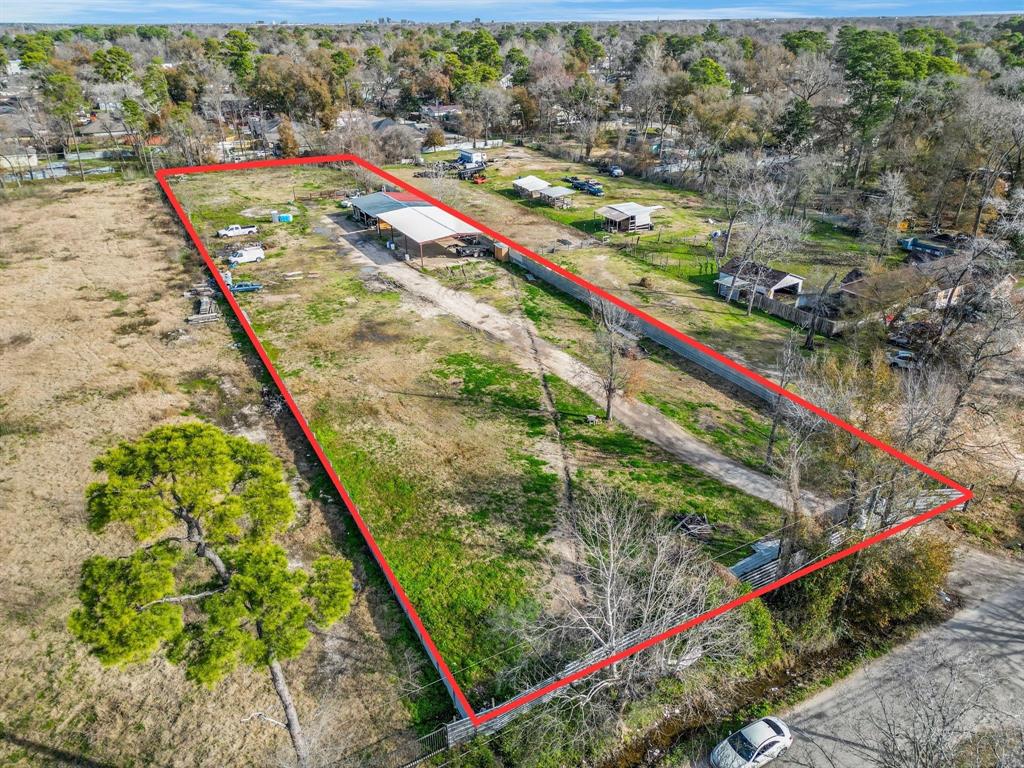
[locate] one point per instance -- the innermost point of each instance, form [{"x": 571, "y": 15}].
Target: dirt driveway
[{"x": 644, "y": 420}]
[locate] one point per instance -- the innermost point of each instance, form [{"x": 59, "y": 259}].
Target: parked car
[
  {"x": 754, "y": 745},
  {"x": 238, "y": 230},
  {"x": 616, "y": 172},
  {"x": 470, "y": 170},
  {"x": 253, "y": 253},
  {"x": 246, "y": 287},
  {"x": 476, "y": 249},
  {"x": 903, "y": 358}
]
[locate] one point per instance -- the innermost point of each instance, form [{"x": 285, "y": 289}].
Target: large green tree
[
  {"x": 586, "y": 48},
  {"x": 877, "y": 72},
  {"x": 805, "y": 41},
  {"x": 154, "y": 85},
  {"x": 34, "y": 51},
  {"x": 705, "y": 72},
  {"x": 237, "y": 50},
  {"x": 65, "y": 100},
  {"x": 113, "y": 64},
  {"x": 205, "y": 508}
]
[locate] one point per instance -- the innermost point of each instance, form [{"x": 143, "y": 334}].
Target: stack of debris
[
  {"x": 695, "y": 526},
  {"x": 206, "y": 311}
]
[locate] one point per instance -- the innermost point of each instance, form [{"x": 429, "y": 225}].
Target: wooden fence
[
  {"x": 657, "y": 250},
  {"x": 801, "y": 317}
]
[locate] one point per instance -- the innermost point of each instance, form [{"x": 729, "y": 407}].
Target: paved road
[
  {"x": 640, "y": 418},
  {"x": 986, "y": 637}
]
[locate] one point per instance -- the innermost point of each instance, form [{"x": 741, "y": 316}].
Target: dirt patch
[{"x": 94, "y": 350}]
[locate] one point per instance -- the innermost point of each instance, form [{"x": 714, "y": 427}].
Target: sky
[{"x": 349, "y": 11}]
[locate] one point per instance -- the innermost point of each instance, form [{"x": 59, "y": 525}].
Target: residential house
[
  {"x": 104, "y": 126},
  {"x": 929, "y": 285},
  {"x": 17, "y": 157},
  {"x": 737, "y": 276},
  {"x": 440, "y": 111}
]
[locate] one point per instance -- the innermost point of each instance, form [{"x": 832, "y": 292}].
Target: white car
[
  {"x": 238, "y": 230},
  {"x": 754, "y": 745},
  {"x": 247, "y": 256},
  {"x": 903, "y": 358}
]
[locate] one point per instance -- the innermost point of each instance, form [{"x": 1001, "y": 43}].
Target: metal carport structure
[{"x": 424, "y": 225}]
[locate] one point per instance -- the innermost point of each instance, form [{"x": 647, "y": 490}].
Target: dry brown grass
[{"x": 90, "y": 354}]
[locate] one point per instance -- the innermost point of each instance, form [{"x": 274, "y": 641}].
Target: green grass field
[{"x": 442, "y": 442}]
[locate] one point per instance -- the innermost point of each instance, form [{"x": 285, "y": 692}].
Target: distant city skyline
[{"x": 440, "y": 11}]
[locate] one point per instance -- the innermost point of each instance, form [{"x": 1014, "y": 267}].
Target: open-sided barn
[
  {"x": 627, "y": 217},
  {"x": 557, "y": 197},
  {"x": 529, "y": 186},
  {"x": 417, "y": 227}
]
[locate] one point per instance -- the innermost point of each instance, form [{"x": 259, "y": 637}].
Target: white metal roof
[
  {"x": 531, "y": 183},
  {"x": 728, "y": 280},
  {"x": 619, "y": 211},
  {"x": 427, "y": 224},
  {"x": 557, "y": 191}
]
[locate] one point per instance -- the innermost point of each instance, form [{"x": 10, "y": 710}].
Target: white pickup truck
[
  {"x": 237, "y": 230},
  {"x": 254, "y": 253}
]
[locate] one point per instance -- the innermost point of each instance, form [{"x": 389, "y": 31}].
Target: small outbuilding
[
  {"x": 557, "y": 197},
  {"x": 627, "y": 217},
  {"x": 529, "y": 186},
  {"x": 470, "y": 156}
]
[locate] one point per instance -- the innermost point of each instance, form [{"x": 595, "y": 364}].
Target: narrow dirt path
[
  {"x": 549, "y": 398},
  {"x": 640, "y": 418}
]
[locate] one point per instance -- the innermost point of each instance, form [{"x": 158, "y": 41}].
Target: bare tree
[
  {"x": 929, "y": 723},
  {"x": 399, "y": 142},
  {"x": 633, "y": 579},
  {"x": 731, "y": 183},
  {"x": 768, "y": 234},
  {"x": 881, "y": 217},
  {"x": 935, "y": 713},
  {"x": 975, "y": 352},
  {"x": 615, "y": 335},
  {"x": 813, "y": 74}
]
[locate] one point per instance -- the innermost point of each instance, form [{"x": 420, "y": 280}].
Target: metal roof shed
[
  {"x": 426, "y": 224},
  {"x": 627, "y": 217},
  {"x": 529, "y": 186},
  {"x": 765, "y": 279},
  {"x": 557, "y": 196},
  {"x": 373, "y": 205}
]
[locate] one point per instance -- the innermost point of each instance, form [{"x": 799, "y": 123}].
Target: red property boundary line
[{"x": 518, "y": 701}]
